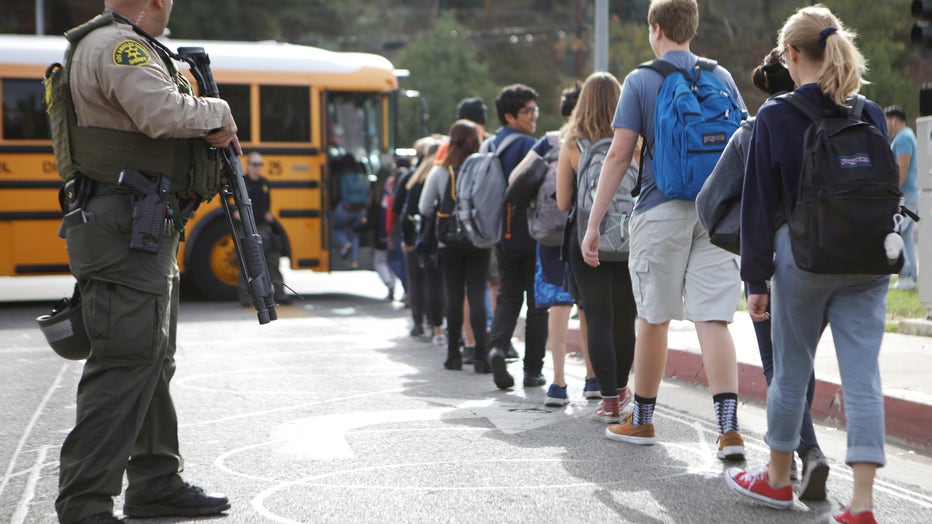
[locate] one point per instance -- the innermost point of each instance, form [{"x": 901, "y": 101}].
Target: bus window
[
  {"x": 286, "y": 113},
  {"x": 23, "y": 111},
  {"x": 355, "y": 121},
  {"x": 237, "y": 95}
]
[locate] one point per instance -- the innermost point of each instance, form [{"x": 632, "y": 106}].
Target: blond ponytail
[{"x": 817, "y": 33}]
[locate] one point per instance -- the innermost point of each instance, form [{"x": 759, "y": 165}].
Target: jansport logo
[
  {"x": 855, "y": 160},
  {"x": 714, "y": 139}
]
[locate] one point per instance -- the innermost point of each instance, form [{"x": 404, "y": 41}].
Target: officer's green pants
[{"x": 125, "y": 416}]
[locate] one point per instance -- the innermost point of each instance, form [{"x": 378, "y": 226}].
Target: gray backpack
[
  {"x": 545, "y": 221},
  {"x": 480, "y": 190},
  {"x": 613, "y": 242}
]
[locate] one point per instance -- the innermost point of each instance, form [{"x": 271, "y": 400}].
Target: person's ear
[{"x": 658, "y": 32}]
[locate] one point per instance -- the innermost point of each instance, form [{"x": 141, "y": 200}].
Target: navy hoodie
[{"x": 772, "y": 178}]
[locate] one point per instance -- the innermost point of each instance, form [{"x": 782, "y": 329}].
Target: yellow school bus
[{"x": 299, "y": 106}]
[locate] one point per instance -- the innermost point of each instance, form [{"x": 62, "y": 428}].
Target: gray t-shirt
[{"x": 635, "y": 111}]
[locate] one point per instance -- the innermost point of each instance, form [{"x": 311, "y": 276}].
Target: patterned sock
[
  {"x": 726, "y": 411},
  {"x": 643, "y": 410}
]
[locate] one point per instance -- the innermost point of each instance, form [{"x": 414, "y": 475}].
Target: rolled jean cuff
[
  {"x": 869, "y": 455},
  {"x": 782, "y": 446}
]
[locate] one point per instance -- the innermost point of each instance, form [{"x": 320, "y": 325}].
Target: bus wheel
[{"x": 213, "y": 266}]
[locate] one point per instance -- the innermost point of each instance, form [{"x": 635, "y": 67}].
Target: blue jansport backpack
[{"x": 694, "y": 117}]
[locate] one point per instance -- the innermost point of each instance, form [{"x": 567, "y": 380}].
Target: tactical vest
[{"x": 100, "y": 153}]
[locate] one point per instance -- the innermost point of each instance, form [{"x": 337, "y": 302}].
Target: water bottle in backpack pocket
[{"x": 613, "y": 230}]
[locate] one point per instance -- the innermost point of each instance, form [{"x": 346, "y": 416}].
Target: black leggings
[
  {"x": 425, "y": 291},
  {"x": 464, "y": 273},
  {"x": 610, "y": 313}
]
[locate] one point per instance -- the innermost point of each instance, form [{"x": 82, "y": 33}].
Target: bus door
[{"x": 354, "y": 176}]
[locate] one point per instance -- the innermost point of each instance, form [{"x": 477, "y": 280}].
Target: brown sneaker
[
  {"x": 642, "y": 434},
  {"x": 731, "y": 446}
]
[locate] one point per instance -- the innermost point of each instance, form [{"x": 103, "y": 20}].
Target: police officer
[{"x": 130, "y": 109}]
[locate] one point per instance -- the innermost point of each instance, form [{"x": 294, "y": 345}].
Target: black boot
[{"x": 480, "y": 361}]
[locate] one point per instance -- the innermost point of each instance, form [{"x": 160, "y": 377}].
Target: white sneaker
[
  {"x": 440, "y": 340},
  {"x": 905, "y": 283}
]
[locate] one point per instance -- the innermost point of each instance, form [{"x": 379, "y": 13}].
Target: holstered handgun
[{"x": 151, "y": 209}]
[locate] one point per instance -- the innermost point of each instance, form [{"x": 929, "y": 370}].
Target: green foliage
[
  {"x": 628, "y": 46},
  {"x": 445, "y": 70},
  {"x": 904, "y": 304}
]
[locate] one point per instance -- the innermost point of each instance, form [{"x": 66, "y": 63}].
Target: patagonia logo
[
  {"x": 130, "y": 53},
  {"x": 855, "y": 160},
  {"x": 714, "y": 139}
]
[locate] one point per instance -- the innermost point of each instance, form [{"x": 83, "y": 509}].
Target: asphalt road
[{"x": 334, "y": 414}]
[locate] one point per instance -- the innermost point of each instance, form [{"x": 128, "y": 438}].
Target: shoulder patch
[{"x": 130, "y": 53}]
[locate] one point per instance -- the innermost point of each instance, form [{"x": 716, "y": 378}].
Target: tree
[{"x": 444, "y": 68}]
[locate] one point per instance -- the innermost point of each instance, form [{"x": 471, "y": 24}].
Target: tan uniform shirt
[{"x": 119, "y": 81}]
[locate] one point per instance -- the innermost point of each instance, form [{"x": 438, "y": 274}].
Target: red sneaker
[
  {"x": 846, "y": 517},
  {"x": 756, "y": 484}
]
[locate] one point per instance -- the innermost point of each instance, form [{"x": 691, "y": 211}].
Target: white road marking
[
  {"x": 22, "y": 508},
  {"x": 32, "y": 423}
]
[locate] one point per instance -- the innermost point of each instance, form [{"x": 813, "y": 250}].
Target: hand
[
  {"x": 269, "y": 218},
  {"x": 590, "y": 247},
  {"x": 757, "y": 307},
  {"x": 223, "y": 136}
]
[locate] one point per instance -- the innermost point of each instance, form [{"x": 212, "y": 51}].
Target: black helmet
[{"x": 64, "y": 328}]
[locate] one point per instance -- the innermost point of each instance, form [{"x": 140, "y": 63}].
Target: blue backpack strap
[{"x": 664, "y": 69}]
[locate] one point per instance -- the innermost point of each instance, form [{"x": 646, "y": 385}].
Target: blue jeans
[
  {"x": 910, "y": 265},
  {"x": 855, "y": 307},
  {"x": 344, "y": 220},
  {"x": 807, "y": 436},
  {"x": 396, "y": 259}
]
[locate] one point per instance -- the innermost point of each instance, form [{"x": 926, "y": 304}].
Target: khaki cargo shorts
[{"x": 676, "y": 272}]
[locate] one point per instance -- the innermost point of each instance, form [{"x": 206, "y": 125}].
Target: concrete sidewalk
[{"x": 905, "y": 365}]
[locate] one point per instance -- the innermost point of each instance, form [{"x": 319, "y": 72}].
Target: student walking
[
  {"x": 517, "y": 111},
  {"x": 464, "y": 267},
  {"x": 723, "y": 188},
  {"x": 828, "y": 68},
  {"x": 676, "y": 272},
  {"x": 425, "y": 282},
  {"x": 606, "y": 289}
]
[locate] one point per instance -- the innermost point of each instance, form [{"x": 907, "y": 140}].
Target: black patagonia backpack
[{"x": 849, "y": 197}]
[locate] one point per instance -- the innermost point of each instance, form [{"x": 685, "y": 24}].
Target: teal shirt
[{"x": 905, "y": 143}]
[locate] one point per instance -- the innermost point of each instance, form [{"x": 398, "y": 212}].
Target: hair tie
[{"x": 823, "y": 36}]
